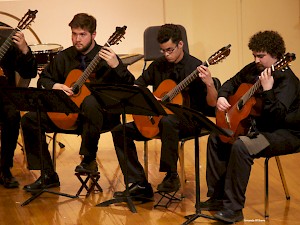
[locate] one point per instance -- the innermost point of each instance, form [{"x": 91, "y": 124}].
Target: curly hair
[
  {"x": 268, "y": 41},
  {"x": 84, "y": 21},
  {"x": 167, "y": 32}
]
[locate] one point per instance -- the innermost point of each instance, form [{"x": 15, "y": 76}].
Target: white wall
[
  {"x": 210, "y": 24},
  {"x": 53, "y": 17}
]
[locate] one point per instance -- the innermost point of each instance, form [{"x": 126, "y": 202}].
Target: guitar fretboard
[{"x": 5, "y": 46}]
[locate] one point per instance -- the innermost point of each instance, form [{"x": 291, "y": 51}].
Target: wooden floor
[{"x": 59, "y": 210}]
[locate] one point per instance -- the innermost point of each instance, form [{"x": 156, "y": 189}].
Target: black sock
[
  {"x": 6, "y": 172},
  {"x": 88, "y": 159}
]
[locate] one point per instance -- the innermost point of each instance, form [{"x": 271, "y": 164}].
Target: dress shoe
[
  {"x": 49, "y": 181},
  {"x": 136, "y": 190},
  {"x": 229, "y": 216},
  {"x": 7, "y": 179},
  {"x": 212, "y": 204},
  {"x": 170, "y": 183},
  {"x": 9, "y": 182},
  {"x": 87, "y": 167}
]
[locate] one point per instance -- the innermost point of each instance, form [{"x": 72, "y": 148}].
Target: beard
[
  {"x": 84, "y": 48},
  {"x": 260, "y": 67}
]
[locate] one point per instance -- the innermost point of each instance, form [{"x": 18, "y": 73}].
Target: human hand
[
  {"x": 266, "y": 79},
  {"x": 65, "y": 88},
  {"x": 19, "y": 39},
  {"x": 205, "y": 75},
  {"x": 223, "y": 104},
  {"x": 109, "y": 56}
]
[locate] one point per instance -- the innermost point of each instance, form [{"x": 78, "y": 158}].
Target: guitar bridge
[{"x": 227, "y": 119}]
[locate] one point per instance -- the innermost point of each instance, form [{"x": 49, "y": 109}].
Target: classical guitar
[
  {"x": 76, "y": 79},
  {"x": 168, "y": 91},
  {"x": 243, "y": 104},
  {"x": 26, "y": 20}
]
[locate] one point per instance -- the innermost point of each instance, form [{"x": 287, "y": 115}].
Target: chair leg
[
  {"x": 267, "y": 188},
  {"x": 182, "y": 170},
  {"x": 54, "y": 151},
  {"x": 61, "y": 145},
  {"x": 283, "y": 181},
  {"x": 146, "y": 158}
]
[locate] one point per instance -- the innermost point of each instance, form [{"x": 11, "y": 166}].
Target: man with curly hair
[{"x": 229, "y": 164}]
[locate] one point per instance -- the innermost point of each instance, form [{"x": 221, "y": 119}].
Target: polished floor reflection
[{"x": 59, "y": 210}]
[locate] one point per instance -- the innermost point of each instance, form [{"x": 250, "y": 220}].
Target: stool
[
  {"x": 93, "y": 177},
  {"x": 168, "y": 195}
]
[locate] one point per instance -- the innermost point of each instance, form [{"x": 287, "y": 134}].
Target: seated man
[
  {"x": 175, "y": 64},
  {"x": 270, "y": 134},
  {"x": 92, "y": 119}
]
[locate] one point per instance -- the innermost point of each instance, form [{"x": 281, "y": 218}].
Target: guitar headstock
[
  {"x": 284, "y": 62},
  {"x": 116, "y": 36},
  {"x": 219, "y": 55},
  {"x": 27, "y": 19}
]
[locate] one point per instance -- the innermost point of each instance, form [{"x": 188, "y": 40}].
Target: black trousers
[
  {"x": 92, "y": 122},
  {"x": 10, "y": 119},
  {"x": 229, "y": 166},
  {"x": 171, "y": 130}
]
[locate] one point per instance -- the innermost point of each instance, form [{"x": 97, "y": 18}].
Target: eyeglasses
[{"x": 168, "y": 50}]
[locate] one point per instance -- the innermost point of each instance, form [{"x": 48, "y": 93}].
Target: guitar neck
[
  {"x": 182, "y": 85},
  {"x": 249, "y": 93},
  {"x": 8, "y": 42},
  {"x": 88, "y": 71}
]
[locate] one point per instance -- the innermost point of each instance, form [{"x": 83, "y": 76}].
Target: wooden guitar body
[
  {"x": 235, "y": 118},
  {"x": 169, "y": 91},
  {"x": 62, "y": 120},
  {"x": 148, "y": 125},
  {"x": 76, "y": 79},
  {"x": 244, "y": 104}
]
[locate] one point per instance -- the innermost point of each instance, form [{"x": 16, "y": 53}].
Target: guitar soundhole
[
  {"x": 76, "y": 89},
  {"x": 240, "y": 104}
]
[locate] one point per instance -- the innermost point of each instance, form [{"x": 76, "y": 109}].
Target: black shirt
[
  {"x": 160, "y": 70},
  {"x": 69, "y": 59},
  {"x": 15, "y": 61},
  {"x": 275, "y": 102}
]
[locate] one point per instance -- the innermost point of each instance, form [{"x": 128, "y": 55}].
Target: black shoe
[
  {"x": 49, "y": 181},
  {"x": 229, "y": 216},
  {"x": 9, "y": 181},
  {"x": 136, "y": 190},
  {"x": 212, "y": 204},
  {"x": 170, "y": 183},
  {"x": 84, "y": 167}
]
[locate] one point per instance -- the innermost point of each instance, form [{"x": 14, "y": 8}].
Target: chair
[
  {"x": 151, "y": 46},
  {"x": 283, "y": 181},
  {"x": 93, "y": 178},
  {"x": 54, "y": 142}
]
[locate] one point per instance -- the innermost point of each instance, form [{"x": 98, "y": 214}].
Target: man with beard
[
  {"x": 92, "y": 118},
  {"x": 229, "y": 164}
]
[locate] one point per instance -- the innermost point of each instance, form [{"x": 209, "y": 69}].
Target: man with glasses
[{"x": 174, "y": 64}]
